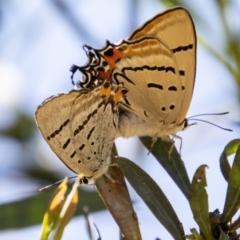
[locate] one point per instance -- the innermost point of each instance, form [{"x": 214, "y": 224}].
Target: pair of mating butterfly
[{"x": 139, "y": 87}]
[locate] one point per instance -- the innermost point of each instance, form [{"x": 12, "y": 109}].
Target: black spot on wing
[
  {"x": 94, "y": 112},
  {"x": 66, "y": 143},
  {"x": 170, "y": 69},
  {"x": 56, "y": 132},
  {"x": 183, "y": 48},
  {"x": 154, "y": 85},
  {"x": 140, "y": 68},
  {"x": 81, "y": 147},
  {"x": 85, "y": 122},
  {"x": 90, "y": 133},
  {"x": 73, "y": 154},
  {"x": 150, "y": 68},
  {"x": 80, "y": 128},
  {"x": 181, "y": 73},
  {"x": 172, "y": 88}
]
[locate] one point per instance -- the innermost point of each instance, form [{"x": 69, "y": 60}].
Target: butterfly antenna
[
  {"x": 201, "y": 120},
  {"x": 207, "y": 114},
  {"x": 48, "y": 186}
]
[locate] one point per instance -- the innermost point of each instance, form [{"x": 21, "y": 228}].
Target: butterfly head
[
  {"x": 84, "y": 180},
  {"x": 185, "y": 124}
]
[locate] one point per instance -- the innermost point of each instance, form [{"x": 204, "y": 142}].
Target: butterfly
[
  {"x": 157, "y": 65},
  {"x": 80, "y": 127}
]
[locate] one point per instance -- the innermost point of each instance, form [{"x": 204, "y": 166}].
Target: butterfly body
[{"x": 131, "y": 124}]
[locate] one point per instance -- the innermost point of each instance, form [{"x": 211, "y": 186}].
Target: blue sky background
[{"x": 37, "y": 47}]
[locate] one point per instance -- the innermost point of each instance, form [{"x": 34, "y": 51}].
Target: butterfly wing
[
  {"x": 149, "y": 71},
  {"x": 72, "y": 126},
  {"x": 93, "y": 130},
  {"x": 175, "y": 28}
]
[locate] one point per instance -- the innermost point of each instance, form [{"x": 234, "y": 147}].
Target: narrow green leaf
[
  {"x": 153, "y": 196},
  {"x": 235, "y": 225},
  {"x": 171, "y": 162},
  {"x": 194, "y": 236},
  {"x": 199, "y": 202},
  {"x": 233, "y": 192},
  {"x": 230, "y": 149}
]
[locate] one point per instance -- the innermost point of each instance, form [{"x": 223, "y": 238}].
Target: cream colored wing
[
  {"x": 175, "y": 28},
  {"x": 93, "y": 131},
  {"x": 150, "y": 73},
  {"x": 75, "y": 127}
]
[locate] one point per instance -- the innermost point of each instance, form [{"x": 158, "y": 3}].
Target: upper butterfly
[
  {"x": 157, "y": 64},
  {"x": 81, "y": 126}
]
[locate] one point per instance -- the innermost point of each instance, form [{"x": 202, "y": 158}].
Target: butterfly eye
[
  {"x": 84, "y": 181},
  {"x": 186, "y": 124}
]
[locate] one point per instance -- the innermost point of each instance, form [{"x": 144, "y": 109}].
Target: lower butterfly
[
  {"x": 157, "y": 65},
  {"x": 80, "y": 127}
]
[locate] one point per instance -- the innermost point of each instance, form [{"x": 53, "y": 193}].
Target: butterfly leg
[
  {"x": 154, "y": 139},
  {"x": 180, "y": 148},
  {"x": 109, "y": 177}
]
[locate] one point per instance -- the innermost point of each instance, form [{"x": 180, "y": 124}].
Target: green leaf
[
  {"x": 153, "y": 196},
  {"x": 170, "y": 161},
  {"x": 199, "y": 202},
  {"x": 233, "y": 192},
  {"x": 235, "y": 225},
  {"x": 230, "y": 149},
  {"x": 194, "y": 236}
]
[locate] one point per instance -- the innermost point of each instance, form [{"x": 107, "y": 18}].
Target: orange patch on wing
[
  {"x": 118, "y": 95},
  {"x": 112, "y": 59},
  {"x": 105, "y": 90},
  {"x": 104, "y": 75}
]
